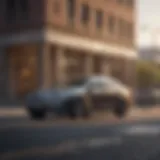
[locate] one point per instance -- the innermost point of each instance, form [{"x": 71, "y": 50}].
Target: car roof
[
  {"x": 101, "y": 77},
  {"x": 110, "y": 79}
]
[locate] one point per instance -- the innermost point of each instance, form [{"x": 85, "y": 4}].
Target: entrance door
[
  {"x": 97, "y": 89},
  {"x": 24, "y": 70}
]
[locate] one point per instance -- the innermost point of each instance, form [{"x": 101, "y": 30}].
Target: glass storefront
[{"x": 23, "y": 68}]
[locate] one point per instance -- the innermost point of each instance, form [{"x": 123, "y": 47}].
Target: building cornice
[
  {"x": 89, "y": 45},
  {"x": 67, "y": 40}
]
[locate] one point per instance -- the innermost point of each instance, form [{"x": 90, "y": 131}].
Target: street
[{"x": 23, "y": 139}]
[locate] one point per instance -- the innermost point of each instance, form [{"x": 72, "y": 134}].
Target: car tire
[
  {"x": 120, "y": 110},
  {"x": 37, "y": 114},
  {"x": 79, "y": 108}
]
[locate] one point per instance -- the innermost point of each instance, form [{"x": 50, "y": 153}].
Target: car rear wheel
[
  {"x": 120, "y": 109},
  {"x": 38, "y": 114}
]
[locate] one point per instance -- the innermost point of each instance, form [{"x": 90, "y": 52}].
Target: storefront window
[{"x": 23, "y": 61}]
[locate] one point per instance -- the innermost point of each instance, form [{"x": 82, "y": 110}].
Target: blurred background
[
  {"x": 148, "y": 49},
  {"x": 48, "y": 48}
]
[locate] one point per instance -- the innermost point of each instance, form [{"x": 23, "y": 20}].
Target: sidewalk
[
  {"x": 135, "y": 113},
  {"x": 12, "y": 112}
]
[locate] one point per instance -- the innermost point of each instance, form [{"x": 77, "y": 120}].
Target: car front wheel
[{"x": 120, "y": 109}]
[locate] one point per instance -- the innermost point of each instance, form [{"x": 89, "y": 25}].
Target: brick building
[{"x": 47, "y": 42}]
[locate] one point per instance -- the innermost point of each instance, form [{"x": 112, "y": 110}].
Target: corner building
[{"x": 50, "y": 42}]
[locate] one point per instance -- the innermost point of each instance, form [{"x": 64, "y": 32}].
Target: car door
[
  {"x": 109, "y": 94},
  {"x": 97, "y": 91},
  {"x": 112, "y": 91}
]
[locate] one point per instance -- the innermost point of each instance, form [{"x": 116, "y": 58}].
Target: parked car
[{"x": 81, "y": 97}]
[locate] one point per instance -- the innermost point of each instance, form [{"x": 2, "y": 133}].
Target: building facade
[{"x": 50, "y": 42}]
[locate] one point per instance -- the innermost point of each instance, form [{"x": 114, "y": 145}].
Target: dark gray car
[{"x": 81, "y": 97}]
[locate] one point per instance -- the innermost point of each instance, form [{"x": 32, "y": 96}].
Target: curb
[
  {"x": 134, "y": 113},
  {"x": 14, "y": 112}
]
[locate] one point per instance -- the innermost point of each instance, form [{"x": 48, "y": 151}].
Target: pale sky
[{"x": 148, "y": 20}]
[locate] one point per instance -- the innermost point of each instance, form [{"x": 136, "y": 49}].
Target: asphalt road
[{"x": 23, "y": 139}]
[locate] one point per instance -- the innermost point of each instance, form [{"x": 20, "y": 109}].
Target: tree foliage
[{"x": 148, "y": 74}]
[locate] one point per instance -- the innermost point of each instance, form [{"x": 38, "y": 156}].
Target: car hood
[
  {"x": 126, "y": 91},
  {"x": 59, "y": 92},
  {"x": 52, "y": 96}
]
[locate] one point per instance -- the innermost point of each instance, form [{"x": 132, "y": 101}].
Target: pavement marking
[
  {"x": 72, "y": 146},
  {"x": 94, "y": 143},
  {"x": 142, "y": 130}
]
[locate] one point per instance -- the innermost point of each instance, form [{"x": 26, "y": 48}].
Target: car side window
[
  {"x": 96, "y": 85},
  {"x": 112, "y": 83}
]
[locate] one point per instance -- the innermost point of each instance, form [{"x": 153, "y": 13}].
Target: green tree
[{"x": 148, "y": 74}]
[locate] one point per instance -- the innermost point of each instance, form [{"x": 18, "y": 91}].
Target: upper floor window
[
  {"x": 16, "y": 9},
  {"x": 130, "y": 2},
  {"x": 99, "y": 18},
  {"x": 56, "y": 6},
  {"x": 111, "y": 24},
  {"x": 85, "y": 13},
  {"x": 125, "y": 29},
  {"x": 126, "y": 2},
  {"x": 11, "y": 5},
  {"x": 122, "y": 27},
  {"x": 23, "y": 8},
  {"x": 130, "y": 31},
  {"x": 120, "y": 1},
  {"x": 71, "y": 5},
  {"x": 11, "y": 9}
]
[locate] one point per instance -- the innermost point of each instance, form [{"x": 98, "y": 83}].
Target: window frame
[
  {"x": 85, "y": 13},
  {"x": 71, "y": 8},
  {"x": 99, "y": 18},
  {"x": 19, "y": 10},
  {"x": 111, "y": 23}
]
